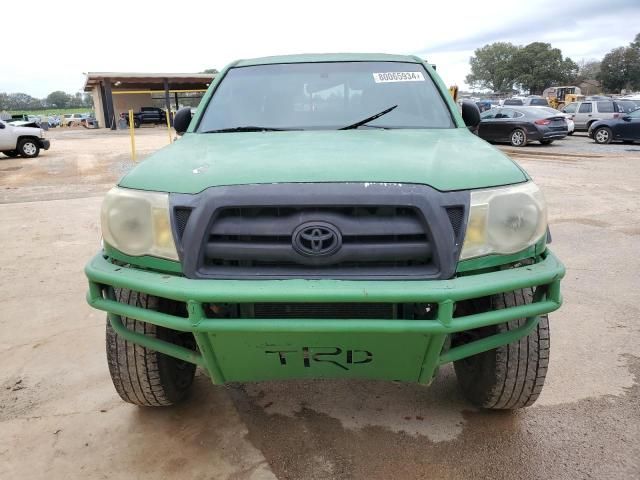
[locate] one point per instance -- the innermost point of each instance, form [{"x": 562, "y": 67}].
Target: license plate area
[{"x": 275, "y": 356}]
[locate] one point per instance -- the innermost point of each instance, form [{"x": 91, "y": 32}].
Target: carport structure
[{"x": 117, "y": 92}]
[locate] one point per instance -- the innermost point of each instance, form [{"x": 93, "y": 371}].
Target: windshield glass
[
  {"x": 627, "y": 106},
  {"x": 314, "y": 96}
]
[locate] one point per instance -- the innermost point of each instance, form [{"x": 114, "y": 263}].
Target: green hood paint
[{"x": 446, "y": 159}]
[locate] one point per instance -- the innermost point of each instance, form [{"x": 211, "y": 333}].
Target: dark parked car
[
  {"x": 536, "y": 102},
  {"x": 519, "y": 125},
  {"x": 626, "y": 129},
  {"x": 484, "y": 105},
  {"x": 513, "y": 101},
  {"x": 148, "y": 115}
]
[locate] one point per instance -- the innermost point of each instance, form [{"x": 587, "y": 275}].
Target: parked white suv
[
  {"x": 24, "y": 141},
  {"x": 589, "y": 111}
]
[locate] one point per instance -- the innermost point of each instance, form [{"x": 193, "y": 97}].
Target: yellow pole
[
  {"x": 133, "y": 136},
  {"x": 453, "y": 90},
  {"x": 168, "y": 126}
]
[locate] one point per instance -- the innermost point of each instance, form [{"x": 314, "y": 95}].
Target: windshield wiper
[
  {"x": 368, "y": 119},
  {"x": 246, "y": 129}
]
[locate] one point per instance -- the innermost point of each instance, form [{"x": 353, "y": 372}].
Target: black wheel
[
  {"x": 602, "y": 135},
  {"x": 11, "y": 153},
  {"x": 511, "y": 376},
  {"x": 546, "y": 142},
  {"x": 518, "y": 138},
  {"x": 28, "y": 147},
  {"x": 570, "y": 133},
  {"x": 145, "y": 377}
]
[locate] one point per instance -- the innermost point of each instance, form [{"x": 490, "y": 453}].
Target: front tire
[
  {"x": 510, "y": 376},
  {"x": 146, "y": 377},
  {"x": 602, "y": 135},
  {"x": 28, "y": 148},
  {"x": 518, "y": 138}
]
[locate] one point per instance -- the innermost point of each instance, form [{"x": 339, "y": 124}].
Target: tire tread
[
  {"x": 519, "y": 368},
  {"x": 135, "y": 370}
]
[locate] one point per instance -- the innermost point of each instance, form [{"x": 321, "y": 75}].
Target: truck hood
[
  {"x": 446, "y": 159},
  {"x": 26, "y": 128}
]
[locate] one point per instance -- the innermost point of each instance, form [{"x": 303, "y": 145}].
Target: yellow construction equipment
[{"x": 558, "y": 97}]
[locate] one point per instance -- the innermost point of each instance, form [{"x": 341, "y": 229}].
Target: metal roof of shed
[{"x": 147, "y": 80}]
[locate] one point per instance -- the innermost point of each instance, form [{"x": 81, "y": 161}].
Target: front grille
[
  {"x": 332, "y": 230},
  {"x": 340, "y": 311},
  {"x": 324, "y": 310},
  {"x": 372, "y": 237}
]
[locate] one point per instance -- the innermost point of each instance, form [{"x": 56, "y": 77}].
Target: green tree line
[
  {"x": 57, "y": 99},
  {"x": 502, "y": 67}
]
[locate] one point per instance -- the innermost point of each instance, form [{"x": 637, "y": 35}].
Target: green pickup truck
[{"x": 326, "y": 216}]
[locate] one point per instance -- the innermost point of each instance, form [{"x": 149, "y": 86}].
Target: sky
[{"x": 64, "y": 39}]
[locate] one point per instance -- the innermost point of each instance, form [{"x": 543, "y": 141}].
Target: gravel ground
[{"x": 60, "y": 417}]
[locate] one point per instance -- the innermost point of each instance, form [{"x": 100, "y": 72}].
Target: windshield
[
  {"x": 627, "y": 106},
  {"x": 314, "y": 96}
]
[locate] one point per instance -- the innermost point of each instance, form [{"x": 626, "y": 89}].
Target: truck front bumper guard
[{"x": 234, "y": 349}]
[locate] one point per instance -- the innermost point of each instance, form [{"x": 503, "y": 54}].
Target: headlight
[
  {"x": 137, "y": 223},
  {"x": 504, "y": 220}
]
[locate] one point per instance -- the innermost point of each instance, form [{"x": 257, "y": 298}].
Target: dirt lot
[{"x": 61, "y": 418}]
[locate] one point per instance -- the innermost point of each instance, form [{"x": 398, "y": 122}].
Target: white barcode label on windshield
[{"x": 398, "y": 77}]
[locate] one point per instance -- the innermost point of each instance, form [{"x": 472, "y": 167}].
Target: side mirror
[
  {"x": 470, "y": 114},
  {"x": 627, "y": 118},
  {"x": 182, "y": 120}
]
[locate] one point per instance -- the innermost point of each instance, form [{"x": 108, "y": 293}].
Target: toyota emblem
[{"x": 316, "y": 239}]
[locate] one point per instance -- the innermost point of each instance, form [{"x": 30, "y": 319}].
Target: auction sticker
[{"x": 398, "y": 77}]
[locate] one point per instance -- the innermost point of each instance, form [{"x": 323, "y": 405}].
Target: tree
[
  {"x": 4, "y": 101},
  {"x": 620, "y": 69},
  {"x": 22, "y": 101},
  {"x": 58, "y": 99},
  {"x": 587, "y": 70},
  {"x": 491, "y": 67},
  {"x": 87, "y": 100},
  {"x": 538, "y": 66},
  {"x": 211, "y": 70}
]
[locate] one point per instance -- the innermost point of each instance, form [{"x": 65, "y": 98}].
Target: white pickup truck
[{"x": 24, "y": 141}]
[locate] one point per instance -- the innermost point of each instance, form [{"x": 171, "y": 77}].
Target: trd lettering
[{"x": 333, "y": 355}]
